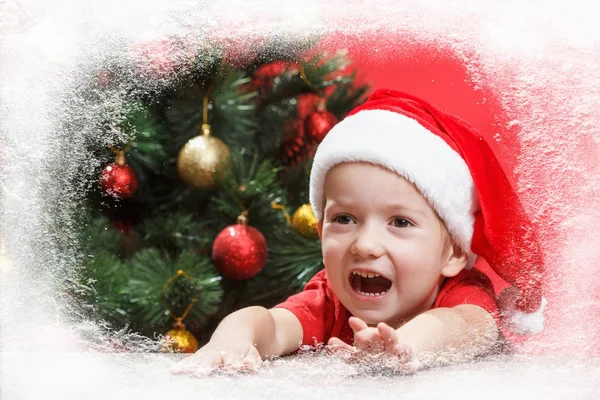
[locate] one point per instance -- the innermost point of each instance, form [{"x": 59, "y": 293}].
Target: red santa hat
[{"x": 456, "y": 171}]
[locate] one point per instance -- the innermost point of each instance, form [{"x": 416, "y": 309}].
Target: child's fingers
[
  {"x": 241, "y": 359},
  {"x": 246, "y": 365},
  {"x": 336, "y": 345},
  {"x": 369, "y": 340},
  {"x": 252, "y": 361},
  {"x": 209, "y": 360},
  {"x": 232, "y": 357},
  {"x": 250, "y": 366},
  {"x": 202, "y": 371},
  {"x": 185, "y": 366},
  {"x": 338, "y": 348},
  {"x": 357, "y": 324},
  {"x": 207, "y": 366},
  {"x": 403, "y": 352},
  {"x": 390, "y": 339},
  {"x": 388, "y": 335}
]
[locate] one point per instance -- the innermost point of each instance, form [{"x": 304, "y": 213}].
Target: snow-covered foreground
[{"x": 146, "y": 376}]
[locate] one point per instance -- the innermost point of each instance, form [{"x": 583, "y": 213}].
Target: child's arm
[
  {"x": 435, "y": 337},
  {"x": 447, "y": 335},
  {"x": 244, "y": 338},
  {"x": 273, "y": 332}
]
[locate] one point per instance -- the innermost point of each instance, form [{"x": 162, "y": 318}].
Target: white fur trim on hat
[
  {"x": 525, "y": 323},
  {"x": 404, "y": 146}
]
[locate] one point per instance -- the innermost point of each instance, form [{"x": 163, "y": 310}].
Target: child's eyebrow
[
  {"x": 391, "y": 207},
  {"x": 388, "y": 207}
]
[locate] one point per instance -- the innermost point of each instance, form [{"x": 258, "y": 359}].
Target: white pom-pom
[{"x": 525, "y": 323}]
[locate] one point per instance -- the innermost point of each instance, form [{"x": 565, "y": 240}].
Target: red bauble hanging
[
  {"x": 239, "y": 251},
  {"x": 295, "y": 147},
  {"x": 318, "y": 125},
  {"x": 118, "y": 179},
  {"x": 307, "y": 104},
  {"x": 265, "y": 76},
  {"x": 315, "y": 117}
]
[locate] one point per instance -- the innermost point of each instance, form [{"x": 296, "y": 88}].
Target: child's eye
[
  {"x": 342, "y": 219},
  {"x": 399, "y": 222}
]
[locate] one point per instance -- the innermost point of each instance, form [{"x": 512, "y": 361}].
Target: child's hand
[
  {"x": 215, "y": 356},
  {"x": 375, "y": 347}
]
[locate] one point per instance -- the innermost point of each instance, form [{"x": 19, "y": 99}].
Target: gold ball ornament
[
  {"x": 179, "y": 340},
  {"x": 305, "y": 222},
  {"x": 204, "y": 160}
]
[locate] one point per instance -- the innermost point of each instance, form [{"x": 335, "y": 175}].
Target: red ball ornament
[
  {"x": 239, "y": 251},
  {"x": 307, "y": 104},
  {"x": 118, "y": 179},
  {"x": 265, "y": 75},
  {"x": 268, "y": 72},
  {"x": 296, "y": 147},
  {"x": 319, "y": 124}
]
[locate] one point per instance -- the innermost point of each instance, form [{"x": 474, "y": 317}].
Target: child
[{"x": 405, "y": 198}]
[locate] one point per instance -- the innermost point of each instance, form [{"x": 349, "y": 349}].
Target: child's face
[{"x": 377, "y": 223}]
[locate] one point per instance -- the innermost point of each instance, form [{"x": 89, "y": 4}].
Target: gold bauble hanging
[
  {"x": 179, "y": 340},
  {"x": 204, "y": 160},
  {"x": 305, "y": 222}
]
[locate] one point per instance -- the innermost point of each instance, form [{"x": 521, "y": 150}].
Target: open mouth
[{"x": 369, "y": 284}]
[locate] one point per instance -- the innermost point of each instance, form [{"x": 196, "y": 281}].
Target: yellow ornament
[
  {"x": 204, "y": 160},
  {"x": 179, "y": 340},
  {"x": 305, "y": 222}
]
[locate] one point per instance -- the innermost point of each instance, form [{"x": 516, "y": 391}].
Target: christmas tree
[{"x": 200, "y": 207}]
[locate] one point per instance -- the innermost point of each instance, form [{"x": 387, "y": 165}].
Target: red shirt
[{"x": 322, "y": 316}]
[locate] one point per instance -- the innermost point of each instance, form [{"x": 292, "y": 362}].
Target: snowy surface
[{"x": 117, "y": 376}]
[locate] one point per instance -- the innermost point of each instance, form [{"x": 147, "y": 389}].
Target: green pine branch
[
  {"x": 101, "y": 291},
  {"x": 251, "y": 186},
  {"x": 233, "y": 114},
  {"x": 296, "y": 179},
  {"x": 293, "y": 260},
  {"x": 175, "y": 232},
  {"x": 345, "y": 97},
  {"x": 157, "y": 294},
  {"x": 272, "y": 121}
]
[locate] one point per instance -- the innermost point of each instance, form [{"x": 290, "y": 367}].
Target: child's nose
[{"x": 367, "y": 243}]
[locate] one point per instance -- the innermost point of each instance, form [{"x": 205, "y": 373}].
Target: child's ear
[
  {"x": 320, "y": 229},
  {"x": 456, "y": 261}
]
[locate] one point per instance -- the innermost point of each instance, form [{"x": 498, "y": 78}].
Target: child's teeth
[
  {"x": 366, "y": 274},
  {"x": 372, "y": 294}
]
